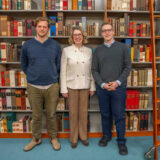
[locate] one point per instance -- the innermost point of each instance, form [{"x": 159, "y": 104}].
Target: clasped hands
[{"x": 111, "y": 86}]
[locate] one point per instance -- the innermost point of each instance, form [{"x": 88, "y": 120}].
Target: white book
[
  {"x": 12, "y": 78},
  {"x": 134, "y": 5},
  {"x": 96, "y": 29},
  {"x": 20, "y": 29},
  {"x": 61, "y": 4},
  {"x": 3, "y": 52},
  {"x": 69, "y": 4},
  {"x": 8, "y": 99},
  {"x": 149, "y": 78},
  {"x": 135, "y": 123},
  {"x": 28, "y": 107}
]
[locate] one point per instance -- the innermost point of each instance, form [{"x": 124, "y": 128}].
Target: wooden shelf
[
  {"x": 17, "y": 87},
  {"x": 20, "y": 11},
  {"x": 66, "y": 135},
  {"x": 66, "y": 37},
  {"x": 76, "y": 11}
]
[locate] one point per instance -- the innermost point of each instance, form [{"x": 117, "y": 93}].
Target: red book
[
  {"x": 130, "y": 29},
  {"x": 65, "y": 5},
  {"x": 131, "y": 5},
  {"x": 15, "y": 28},
  {"x": 89, "y": 4},
  {"x": 150, "y": 52},
  {"x": 141, "y": 30},
  {"x": 3, "y": 78},
  {"x": 29, "y": 27},
  {"x": 137, "y": 100},
  {"x": 23, "y": 99}
]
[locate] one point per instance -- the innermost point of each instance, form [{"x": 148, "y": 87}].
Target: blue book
[
  {"x": 80, "y": 5},
  {"x": 0, "y": 4},
  {"x": 53, "y": 26},
  {"x": 128, "y": 42}
]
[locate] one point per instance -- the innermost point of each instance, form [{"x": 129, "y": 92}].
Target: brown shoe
[
  {"x": 85, "y": 142},
  {"x": 73, "y": 145},
  {"x": 32, "y": 144},
  {"x": 55, "y": 144}
]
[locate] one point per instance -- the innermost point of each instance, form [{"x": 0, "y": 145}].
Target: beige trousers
[
  {"x": 78, "y": 112},
  {"x": 39, "y": 98}
]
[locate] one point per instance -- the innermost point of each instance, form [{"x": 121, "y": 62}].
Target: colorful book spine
[{"x": 53, "y": 26}]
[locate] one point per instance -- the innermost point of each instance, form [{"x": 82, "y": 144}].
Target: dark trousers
[{"x": 113, "y": 103}]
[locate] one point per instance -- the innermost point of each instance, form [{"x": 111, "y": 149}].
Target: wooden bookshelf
[{"x": 95, "y": 39}]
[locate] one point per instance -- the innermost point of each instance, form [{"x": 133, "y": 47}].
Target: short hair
[
  {"x": 106, "y": 23},
  {"x": 41, "y": 19},
  {"x": 84, "y": 34}
]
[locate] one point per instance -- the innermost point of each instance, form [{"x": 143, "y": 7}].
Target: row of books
[
  {"x": 126, "y": 27},
  {"x": 15, "y": 4},
  {"x": 14, "y": 99},
  {"x": 13, "y": 78},
  {"x": 58, "y": 28},
  {"x": 17, "y": 100},
  {"x": 10, "y": 52},
  {"x": 16, "y": 77},
  {"x": 10, "y": 26},
  {"x": 10, "y": 124},
  {"x": 137, "y": 121},
  {"x": 128, "y": 5},
  {"x": 137, "y": 99},
  {"x": 70, "y": 4},
  {"x": 139, "y": 52},
  {"x": 140, "y": 77}
]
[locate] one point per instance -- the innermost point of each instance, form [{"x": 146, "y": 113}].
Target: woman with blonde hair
[{"x": 77, "y": 84}]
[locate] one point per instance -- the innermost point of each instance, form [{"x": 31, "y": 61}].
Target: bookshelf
[{"x": 99, "y": 14}]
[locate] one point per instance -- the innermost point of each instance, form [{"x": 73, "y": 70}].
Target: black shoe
[
  {"x": 103, "y": 141},
  {"x": 85, "y": 142},
  {"x": 122, "y": 149},
  {"x": 73, "y": 145}
]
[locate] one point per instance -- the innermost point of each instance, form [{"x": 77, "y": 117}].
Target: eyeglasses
[
  {"x": 77, "y": 35},
  {"x": 107, "y": 30}
]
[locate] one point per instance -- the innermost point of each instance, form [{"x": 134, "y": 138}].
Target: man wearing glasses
[{"x": 111, "y": 65}]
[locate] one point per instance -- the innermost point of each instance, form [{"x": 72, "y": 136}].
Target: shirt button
[
  {"x": 77, "y": 62},
  {"x": 77, "y": 75}
]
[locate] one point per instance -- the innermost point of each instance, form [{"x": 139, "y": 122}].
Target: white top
[{"x": 76, "y": 69}]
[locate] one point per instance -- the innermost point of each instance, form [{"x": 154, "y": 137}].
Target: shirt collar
[
  {"x": 109, "y": 44},
  {"x": 39, "y": 41}
]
